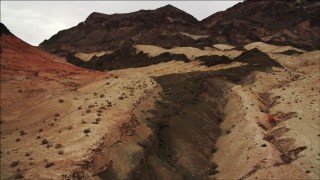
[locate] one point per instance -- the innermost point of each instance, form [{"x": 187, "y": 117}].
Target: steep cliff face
[
  {"x": 166, "y": 26},
  {"x": 277, "y": 22}
]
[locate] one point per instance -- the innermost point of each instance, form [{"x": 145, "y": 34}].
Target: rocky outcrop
[
  {"x": 293, "y": 23},
  {"x": 166, "y": 27}
]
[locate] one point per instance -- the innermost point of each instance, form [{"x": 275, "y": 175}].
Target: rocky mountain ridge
[
  {"x": 109, "y": 32},
  {"x": 168, "y": 26},
  {"x": 293, "y": 23}
]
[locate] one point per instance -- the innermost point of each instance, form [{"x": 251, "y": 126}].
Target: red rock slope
[{"x": 27, "y": 73}]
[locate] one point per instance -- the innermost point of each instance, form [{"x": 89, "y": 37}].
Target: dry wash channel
[
  {"x": 185, "y": 122},
  {"x": 185, "y": 117}
]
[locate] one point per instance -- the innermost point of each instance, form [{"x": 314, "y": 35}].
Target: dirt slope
[{"x": 55, "y": 117}]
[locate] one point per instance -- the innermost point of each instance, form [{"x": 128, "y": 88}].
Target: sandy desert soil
[
  {"x": 191, "y": 52},
  {"x": 172, "y": 120},
  {"x": 88, "y": 56},
  {"x": 275, "y": 132}
]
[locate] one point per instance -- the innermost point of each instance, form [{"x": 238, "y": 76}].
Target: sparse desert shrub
[
  {"x": 28, "y": 154},
  {"x": 49, "y": 145},
  {"x": 49, "y": 164},
  {"x": 102, "y": 95},
  {"x": 121, "y": 98},
  {"x": 57, "y": 146},
  {"x": 22, "y": 133},
  {"x": 70, "y": 127},
  {"x": 20, "y": 91},
  {"x": 44, "y": 141},
  {"x": 83, "y": 121},
  {"x": 61, "y": 101},
  {"x": 88, "y": 111},
  {"x": 56, "y": 115},
  {"x": 87, "y": 130},
  {"x": 18, "y": 139},
  {"x": 91, "y": 106},
  {"x": 14, "y": 163},
  {"x": 263, "y": 145},
  {"x": 60, "y": 152}
]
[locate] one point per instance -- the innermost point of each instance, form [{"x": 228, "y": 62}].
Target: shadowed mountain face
[
  {"x": 166, "y": 26},
  {"x": 293, "y": 23},
  {"x": 275, "y": 22},
  {"x": 123, "y": 58}
]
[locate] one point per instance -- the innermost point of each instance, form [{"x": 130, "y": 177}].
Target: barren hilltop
[{"x": 156, "y": 94}]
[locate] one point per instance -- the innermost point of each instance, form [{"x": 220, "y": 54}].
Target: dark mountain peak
[
  {"x": 169, "y": 7},
  {"x": 169, "y": 10},
  {"x": 4, "y": 30},
  {"x": 165, "y": 27},
  {"x": 159, "y": 13},
  {"x": 96, "y": 16},
  {"x": 275, "y": 22}
]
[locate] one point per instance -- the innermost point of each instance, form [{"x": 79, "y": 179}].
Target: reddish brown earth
[{"x": 29, "y": 73}]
